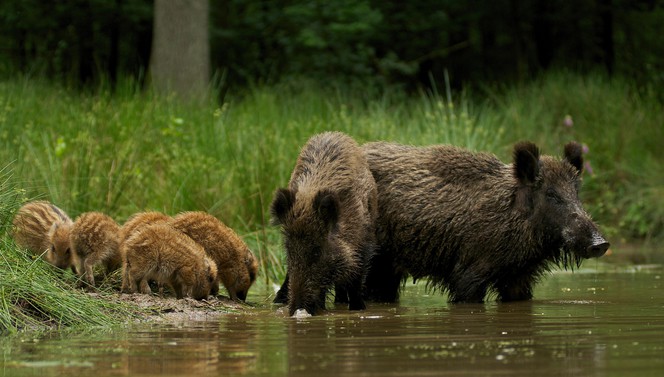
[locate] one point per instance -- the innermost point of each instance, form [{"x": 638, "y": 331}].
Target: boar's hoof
[{"x": 301, "y": 313}]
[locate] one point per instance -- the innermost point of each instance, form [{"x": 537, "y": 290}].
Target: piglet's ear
[
  {"x": 526, "y": 162},
  {"x": 326, "y": 204},
  {"x": 574, "y": 155},
  {"x": 283, "y": 201}
]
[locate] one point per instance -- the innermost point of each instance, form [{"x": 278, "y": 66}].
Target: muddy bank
[{"x": 166, "y": 309}]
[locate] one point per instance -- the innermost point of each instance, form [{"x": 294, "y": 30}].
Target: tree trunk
[{"x": 180, "y": 61}]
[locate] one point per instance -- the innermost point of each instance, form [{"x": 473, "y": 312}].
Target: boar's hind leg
[
  {"x": 383, "y": 279},
  {"x": 282, "y": 293},
  {"x": 468, "y": 287}
]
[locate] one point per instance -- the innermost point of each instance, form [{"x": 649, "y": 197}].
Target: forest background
[{"x": 125, "y": 105}]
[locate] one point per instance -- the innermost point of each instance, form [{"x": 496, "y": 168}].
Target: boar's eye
[
  {"x": 553, "y": 195},
  {"x": 67, "y": 251}
]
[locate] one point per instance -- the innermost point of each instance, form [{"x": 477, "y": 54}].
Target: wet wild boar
[
  {"x": 473, "y": 225},
  {"x": 327, "y": 216}
]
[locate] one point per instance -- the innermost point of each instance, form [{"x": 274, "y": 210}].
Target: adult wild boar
[
  {"x": 327, "y": 216},
  {"x": 471, "y": 224}
]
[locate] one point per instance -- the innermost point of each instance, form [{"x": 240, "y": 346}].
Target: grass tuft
[{"x": 35, "y": 295}]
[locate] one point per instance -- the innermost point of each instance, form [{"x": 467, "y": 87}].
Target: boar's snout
[{"x": 598, "y": 247}]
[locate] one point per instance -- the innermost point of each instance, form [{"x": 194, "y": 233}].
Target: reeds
[{"x": 36, "y": 295}]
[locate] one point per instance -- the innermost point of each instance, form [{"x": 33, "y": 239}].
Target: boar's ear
[
  {"x": 281, "y": 204},
  {"x": 326, "y": 204},
  {"x": 526, "y": 162},
  {"x": 574, "y": 155}
]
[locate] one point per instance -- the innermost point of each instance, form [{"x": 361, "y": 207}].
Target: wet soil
[{"x": 168, "y": 309}]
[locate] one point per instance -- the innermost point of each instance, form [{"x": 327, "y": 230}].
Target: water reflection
[{"x": 580, "y": 324}]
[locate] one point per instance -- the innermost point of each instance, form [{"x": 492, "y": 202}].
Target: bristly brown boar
[
  {"x": 327, "y": 216},
  {"x": 236, "y": 265},
  {"x": 473, "y": 225}
]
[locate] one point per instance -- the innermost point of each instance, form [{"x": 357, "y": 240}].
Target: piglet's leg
[{"x": 88, "y": 267}]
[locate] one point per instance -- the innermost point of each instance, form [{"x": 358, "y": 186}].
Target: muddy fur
[
  {"x": 95, "y": 239},
  {"x": 327, "y": 218},
  {"x": 43, "y": 229},
  {"x": 236, "y": 265},
  {"x": 473, "y": 225},
  {"x": 161, "y": 253}
]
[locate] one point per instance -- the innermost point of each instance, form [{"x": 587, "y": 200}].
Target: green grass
[
  {"x": 130, "y": 151},
  {"x": 36, "y": 296}
]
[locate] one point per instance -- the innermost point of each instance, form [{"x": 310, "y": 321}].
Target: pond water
[{"x": 585, "y": 323}]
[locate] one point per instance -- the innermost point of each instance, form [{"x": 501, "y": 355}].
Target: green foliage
[
  {"x": 35, "y": 295},
  {"x": 92, "y": 42},
  {"x": 337, "y": 41},
  {"x": 134, "y": 151}
]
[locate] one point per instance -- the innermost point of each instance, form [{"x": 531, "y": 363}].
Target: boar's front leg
[
  {"x": 467, "y": 286},
  {"x": 282, "y": 293},
  {"x": 515, "y": 289},
  {"x": 340, "y": 294},
  {"x": 355, "y": 300}
]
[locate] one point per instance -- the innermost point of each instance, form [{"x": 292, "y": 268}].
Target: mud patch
[{"x": 154, "y": 308}]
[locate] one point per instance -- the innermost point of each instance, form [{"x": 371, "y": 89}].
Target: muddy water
[{"x": 582, "y": 324}]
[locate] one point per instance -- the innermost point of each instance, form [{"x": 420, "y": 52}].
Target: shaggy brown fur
[
  {"x": 160, "y": 252},
  {"x": 236, "y": 265},
  {"x": 95, "y": 239},
  {"x": 43, "y": 229},
  {"x": 472, "y": 224},
  {"x": 140, "y": 220},
  {"x": 136, "y": 223},
  {"x": 327, "y": 218}
]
